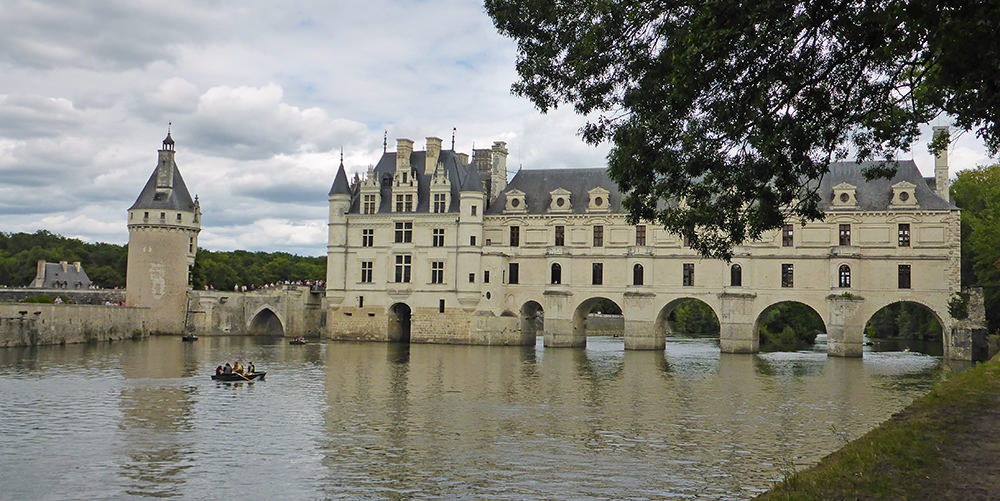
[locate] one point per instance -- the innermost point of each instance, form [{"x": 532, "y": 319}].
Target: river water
[{"x": 332, "y": 420}]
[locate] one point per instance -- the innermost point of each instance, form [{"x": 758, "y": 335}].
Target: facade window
[
  {"x": 163, "y": 215},
  {"x": 845, "y": 276},
  {"x": 640, "y": 235},
  {"x": 904, "y": 276},
  {"x": 440, "y": 305},
  {"x": 845, "y": 234},
  {"x": 904, "y": 235},
  {"x": 486, "y": 276},
  {"x": 403, "y": 262},
  {"x": 515, "y": 236},
  {"x": 598, "y": 236},
  {"x": 473, "y": 210},
  {"x": 556, "y": 275},
  {"x": 404, "y": 177},
  {"x": 472, "y": 278},
  {"x": 688, "y": 277},
  {"x": 439, "y": 203},
  {"x": 438, "y": 237},
  {"x": 736, "y": 276},
  {"x": 598, "y": 274},
  {"x": 191, "y": 244},
  {"x": 361, "y": 301},
  {"x": 366, "y": 272},
  {"x": 437, "y": 272},
  {"x": 560, "y": 236},
  {"x": 404, "y": 203},
  {"x": 178, "y": 217},
  {"x": 787, "y": 234},
  {"x": 367, "y": 237},
  {"x": 637, "y": 274},
  {"x": 787, "y": 275},
  {"x": 512, "y": 274},
  {"x": 404, "y": 232},
  {"x": 472, "y": 240},
  {"x": 369, "y": 204},
  {"x": 145, "y": 215}
]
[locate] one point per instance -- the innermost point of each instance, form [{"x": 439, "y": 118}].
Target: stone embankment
[
  {"x": 30, "y": 324},
  {"x": 77, "y": 296}
]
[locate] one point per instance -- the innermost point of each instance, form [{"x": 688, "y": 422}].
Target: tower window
[
  {"x": 163, "y": 215},
  {"x": 598, "y": 274},
  {"x": 787, "y": 275},
  {"x": 688, "y": 277},
  {"x": 472, "y": 240},
  {"x": 440, "y": 305},
  {"x": 556, "y": 275},
  {"x": 472, "y": 278},
  {"x": 845, "y": 276},
  {"x": 736, "y": 276},
  {"x": 486, "y": 276},
  {"x": 178, "y": 217},
  {"x": 190, "y": 244},
  {"x": 904, "y": 276},
  {"x": 473, "y": 210},
  {"x": 637, "y": 274}
]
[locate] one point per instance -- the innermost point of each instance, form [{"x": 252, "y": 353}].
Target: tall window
[
  {"x": 787, "y": 275},
  {"x": 403, "y": 262},
  {"x": 904, "y": 276},
  {"x": 367, "y": 237},
  {"x": 404, "y": 233},
  {"x": 369, "y": 204},
  {"x": 404, "y": 203},
  {"x": 473, "y": 210},
  {"x": 366, "y": 272},
  {"x": 845, "y": 234},
  {"x": 556, "y": 277},
  {"x": 399, "y": 202},
  {"x": 438, "y": 237},
  {"x": 512, "y": 274},
  {"x": 904, "y": 235},
  {"x": 845, "y": 276},
  {"x": 598, "y": 275},
  {"x": 437, "y": 272},
  {"x": 787, "y": 234},
  {"x": 640, "y": 235},
  {"x": 598, "y": 236},
  {"x": 472, "y": 240},
  {"x": 486, "y": 276},
  {"x": 515, "y": 236},
  {"x": 560, "y": 236},
  {"x": 688, "y": 278},
  {"x": 439, "y": 199},
  {"x": 637, "y": 275},
  {"x": 736, "y": 276}
]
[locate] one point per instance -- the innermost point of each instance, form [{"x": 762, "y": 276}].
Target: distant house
[{"x": 61, "y": 275}]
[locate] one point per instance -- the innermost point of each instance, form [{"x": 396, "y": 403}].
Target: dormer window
[
  {"x": 516, "y": 202},
  {"x": 561, "y": 201},
  {"x": 844, "y": 195},
  {"x": 903, "y": 195},
  {"x": 598, "y": 200}
]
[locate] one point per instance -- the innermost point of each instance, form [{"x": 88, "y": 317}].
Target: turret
[
  {"x": 941, "y": 166},
  {"x": 163, "y": 226},
  {"x": 340, "y": 203}
]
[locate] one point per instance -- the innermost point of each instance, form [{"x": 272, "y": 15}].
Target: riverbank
[{"x": 945, "y": 445}]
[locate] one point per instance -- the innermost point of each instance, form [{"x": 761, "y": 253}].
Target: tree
[
  {"x": 977, "y": 193},
  {"x": 723, "y": 113}
]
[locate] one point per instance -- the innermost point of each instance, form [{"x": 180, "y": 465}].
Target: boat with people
[
  {"x": 189, "y": 338},
  {"x": 235, "y": 376},
  {"x": 297, "y": 340}
]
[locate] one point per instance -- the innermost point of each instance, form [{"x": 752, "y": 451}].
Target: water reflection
[{"x": 398, "y": 420}]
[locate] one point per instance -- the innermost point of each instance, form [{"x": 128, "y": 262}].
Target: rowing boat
[{"x": 237, "y": 377}]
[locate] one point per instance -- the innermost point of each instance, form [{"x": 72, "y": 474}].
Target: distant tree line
[{"x": 105, "y": 264}]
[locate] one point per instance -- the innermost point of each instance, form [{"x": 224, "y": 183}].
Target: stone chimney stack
[
  {"x": 165, "y": 165},
  {"x": 498, "y": 176},
  {"x": 433, "y": 154},
  {"x": 463, "y": 158},
  {"x": 404, "y": 147},
  {"x": 481, "y": 158},
  {"x": 941, "y": 167}
]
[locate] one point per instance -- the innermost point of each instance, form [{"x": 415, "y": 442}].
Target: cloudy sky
[{"x": 262, "y": 96}]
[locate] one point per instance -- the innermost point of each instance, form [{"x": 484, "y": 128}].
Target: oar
[{"x": 244, "y": 377}]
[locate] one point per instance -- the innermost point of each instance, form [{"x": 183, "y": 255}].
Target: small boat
[
  {"x": 190, "y": 337},
  {"x": 297, "y": 340},
  {"x": 250, "y": 376}
]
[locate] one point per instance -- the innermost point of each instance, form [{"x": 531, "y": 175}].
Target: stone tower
[
  {"x": 336, "y": 261},
  {"x": 163, "y": 226}
]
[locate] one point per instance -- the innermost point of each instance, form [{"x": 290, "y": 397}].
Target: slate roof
[
  {"x": 871, "y": 195},
  {"x": 340, "y": 184},
  {"x": 179, "y": 198},
  {"x": 54, "y": 277},
  {"x": 462, "y": 177}
]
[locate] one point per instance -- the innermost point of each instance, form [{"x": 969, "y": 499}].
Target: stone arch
[
  {"x": 532, "y": 319},
  {"x": 399, "y": 316},
  {"x": 934, "y": 346},
  {"x": 582, "y": 313},
  {"x": 662, "y": 323},
  {"x": 761, "y": 316},
  {"x": 265, "y": 322}
]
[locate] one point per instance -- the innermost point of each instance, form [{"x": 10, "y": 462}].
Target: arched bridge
[{"x": 289, "y": 310}]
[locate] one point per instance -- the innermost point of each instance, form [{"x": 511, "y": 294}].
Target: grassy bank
[{"x": 944, "y": 445}]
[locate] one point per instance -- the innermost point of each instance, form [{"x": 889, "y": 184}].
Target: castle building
[
  {"x": 432, "y": 247},
  {"x": 61, "y": 275},
  {"x": 163, "y": 227}
]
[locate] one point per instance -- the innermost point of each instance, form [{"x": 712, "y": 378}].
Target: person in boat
[
  {"x": 237, "y": 367},
  {"x": 218, "y": 371},
  {"x": 228, "y": 369},
  {"x": 250, "y": 368}
]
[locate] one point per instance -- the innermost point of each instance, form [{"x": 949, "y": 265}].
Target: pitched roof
[
  {"x": 177, "y": 199},
  {"x": 340, "y": 184},
  {"x": 54, "y": 276},
  {"x": 877, "y": 193},
  {"x": 457, "y": 173}
]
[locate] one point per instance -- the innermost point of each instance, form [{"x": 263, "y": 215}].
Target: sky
[{"x": 262, "y": 97}]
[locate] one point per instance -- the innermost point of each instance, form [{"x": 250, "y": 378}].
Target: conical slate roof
[
  {"x": 340, "y": 184},
  {"x": 177, "y": 198}
]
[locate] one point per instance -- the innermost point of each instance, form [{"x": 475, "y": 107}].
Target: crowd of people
[
  {"x": 312, "y": 284},
  {"x": 235, "y": 368}
]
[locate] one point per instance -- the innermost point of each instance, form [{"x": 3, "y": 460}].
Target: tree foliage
[
  {"x": 904, "y": 320},
  {"x": 977, "y": 193},
  {"x": 692, "y": 318},
  {"x": 789, "y": 326},
  {"x": 225, "y": 270},
  {"x": 721, "y": 112}
]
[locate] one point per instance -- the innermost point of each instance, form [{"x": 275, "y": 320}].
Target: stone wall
[
  {"x": 299, "y": 310},
  {"x": 27, "y": 324},
  {"x": 77, "y": 296}
]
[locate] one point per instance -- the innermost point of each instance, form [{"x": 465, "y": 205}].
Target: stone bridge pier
[{"x": 290, "y": 310}]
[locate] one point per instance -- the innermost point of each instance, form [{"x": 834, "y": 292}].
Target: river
[{"x": 143, "y": 419}]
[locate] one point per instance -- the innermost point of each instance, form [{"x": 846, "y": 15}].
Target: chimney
[
  {"x": 63, "y": 265},
  {"x": 463, "y": 158},
  {"x": 404, "y": 147},
  {"x": 498, "y": 177},
  {"x": 76, "y": 264},
  {"x": 433, "y": 154},
  {"x": 941, "y": 166},
  {"x": 482, "y": 160},
  {"x": 165, "y": 165}
]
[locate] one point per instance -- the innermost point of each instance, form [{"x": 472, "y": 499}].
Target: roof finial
[
  {"x": 453, "y": 129},
  {"x": 341, "y": 156},
  {"x": 385, "y": 141},
  {"x": 168, "y": 142}
]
